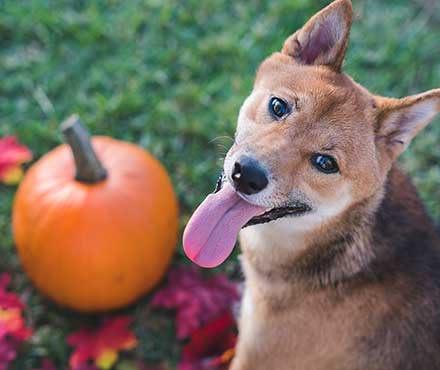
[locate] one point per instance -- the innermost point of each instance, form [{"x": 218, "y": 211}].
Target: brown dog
[{"x": 342, "y": 264}]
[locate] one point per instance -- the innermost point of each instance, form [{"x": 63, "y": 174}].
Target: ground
[{"x": 171, "y": 76}]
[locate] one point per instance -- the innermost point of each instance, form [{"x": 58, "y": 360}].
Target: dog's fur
[{"x": 353, "y": 284}]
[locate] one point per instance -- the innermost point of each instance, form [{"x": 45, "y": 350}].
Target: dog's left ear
[
  {"x": 400, "y": 120},
  {"x": 324, "y": 38}
]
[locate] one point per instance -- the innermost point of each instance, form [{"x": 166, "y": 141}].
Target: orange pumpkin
[{"x": 99, "y": 239}]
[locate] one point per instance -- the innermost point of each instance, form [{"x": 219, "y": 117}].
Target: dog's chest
[{"x": 307, "y": 335}]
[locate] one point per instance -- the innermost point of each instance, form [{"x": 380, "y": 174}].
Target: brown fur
[
  {"x": 345, "y": 309},
  {"x": 358, "y": 288}
]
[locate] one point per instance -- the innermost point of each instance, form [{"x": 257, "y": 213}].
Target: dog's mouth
[
  {"x": 279, "y": 212},
  {"x": 212, "y": 231},
  {"x": 292, "y": 210}
]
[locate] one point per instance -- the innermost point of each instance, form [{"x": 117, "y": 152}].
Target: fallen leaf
[
  {"x": 12, "y": 156},
  {"x": 8, "y": 299},
  {"x": 197, "y": 298},
  {"x": 13, "y": 325},
  {"x": 13, "y": 330},
  {"x": 103, "y": 344},
  {"x": 8, "y": 351},
  {"x": 211, "y": 347}
]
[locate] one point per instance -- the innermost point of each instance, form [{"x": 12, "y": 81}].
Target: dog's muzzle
[{"x": 294, "y": 209}]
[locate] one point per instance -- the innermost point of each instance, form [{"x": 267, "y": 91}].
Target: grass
[{"x": 171, "y": 76}]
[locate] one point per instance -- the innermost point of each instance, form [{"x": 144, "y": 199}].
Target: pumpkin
[{"x": 97, "y": 229}]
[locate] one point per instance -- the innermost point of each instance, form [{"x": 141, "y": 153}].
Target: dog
[{"x": 341, "y": 261}]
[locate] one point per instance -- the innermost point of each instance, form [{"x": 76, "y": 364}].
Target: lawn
[{"x": 171, "y": 76}]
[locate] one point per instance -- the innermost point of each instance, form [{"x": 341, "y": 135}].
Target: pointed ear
[
  {"x": 324, "y": 38},
  {"x": 400, "y": 120}
]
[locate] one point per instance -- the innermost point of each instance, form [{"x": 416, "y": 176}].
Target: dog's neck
[{"x": 335, "y": 252}]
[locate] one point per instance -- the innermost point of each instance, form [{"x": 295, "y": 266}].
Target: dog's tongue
[{"x": 211, "y": 233}]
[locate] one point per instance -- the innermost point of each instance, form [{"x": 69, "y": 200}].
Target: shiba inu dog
[{"x": 342, "y": 264}]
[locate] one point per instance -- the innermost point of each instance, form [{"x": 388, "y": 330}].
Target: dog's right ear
[{"x": 324, "y": 38}]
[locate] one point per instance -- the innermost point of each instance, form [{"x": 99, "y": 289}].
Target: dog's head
[{"x": 310, "y": 142}]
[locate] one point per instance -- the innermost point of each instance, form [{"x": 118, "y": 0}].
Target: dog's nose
[{"x": 248, "y": 177}]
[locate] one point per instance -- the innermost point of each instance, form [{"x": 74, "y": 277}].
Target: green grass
[{"x": 171, "y": 76}]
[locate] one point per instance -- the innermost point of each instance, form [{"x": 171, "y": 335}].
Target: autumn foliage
[
  {"x": 12, "y": 155},
  {"x": 202, "y": 305}
]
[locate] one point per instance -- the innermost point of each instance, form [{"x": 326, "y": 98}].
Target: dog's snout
[{"x": 248, "y": 176}]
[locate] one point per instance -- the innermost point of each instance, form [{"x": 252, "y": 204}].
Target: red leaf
[
  {"x": 8, "y": 299},
  {"x": 12, "y": 155},
  {"x": 197, "y": 298},
  {"x": 12, "y": 324},
  {"x": 207, "y": 345},
  {"x": 102, "y": 345},
  {"x": 8, "y": 351},
  {"x": 13, "y": 330}
]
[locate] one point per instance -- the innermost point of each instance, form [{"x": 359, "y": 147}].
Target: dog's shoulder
[
  {"x": 405, "y": 332},
  {"x": 403, "y": 230}
]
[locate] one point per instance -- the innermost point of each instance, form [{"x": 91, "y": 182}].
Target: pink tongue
[{"x": 211, "y": 233}]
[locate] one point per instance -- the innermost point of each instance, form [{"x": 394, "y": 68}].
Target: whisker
[
  {"x": 221, "y": 146},
  {"x": 221, "y": 137}
]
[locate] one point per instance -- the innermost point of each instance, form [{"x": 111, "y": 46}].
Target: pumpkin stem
[{"x": 89, "y": 168}]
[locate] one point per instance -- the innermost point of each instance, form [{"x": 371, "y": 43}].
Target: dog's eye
[
  {"x": 278, "y": 107},
  {"x": 325, "y": 163}
]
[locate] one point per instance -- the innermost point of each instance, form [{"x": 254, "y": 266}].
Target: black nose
[{"x": 248, "y": 176}]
